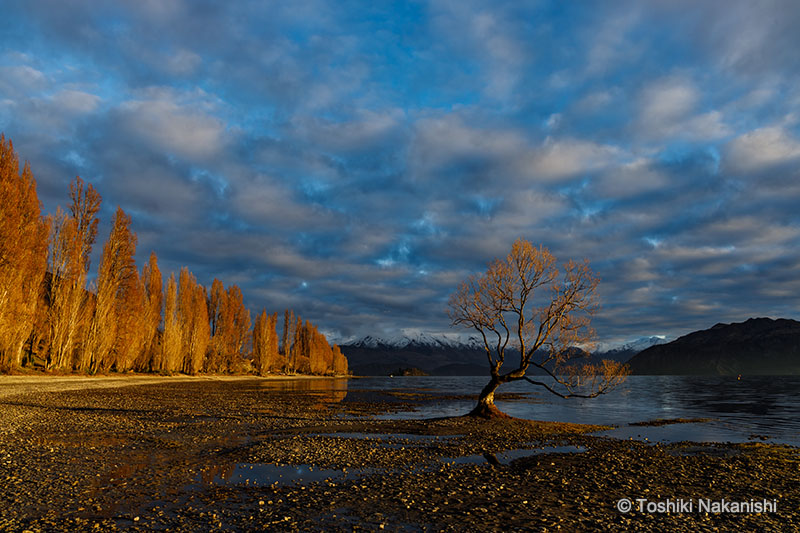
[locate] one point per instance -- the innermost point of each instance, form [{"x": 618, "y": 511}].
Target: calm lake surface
[{"x": 740, "y": 410}]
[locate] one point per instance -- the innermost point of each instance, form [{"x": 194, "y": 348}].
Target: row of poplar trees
[{"x": 52, "y": 317}]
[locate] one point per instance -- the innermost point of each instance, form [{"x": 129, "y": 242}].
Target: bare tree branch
[{"x": 545, "y": 309}]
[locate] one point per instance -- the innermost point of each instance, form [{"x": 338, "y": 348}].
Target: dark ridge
[{"x": 758, "y": 346}]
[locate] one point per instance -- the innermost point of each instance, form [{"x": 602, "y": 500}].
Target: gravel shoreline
[{"x": 219, "y": 454}]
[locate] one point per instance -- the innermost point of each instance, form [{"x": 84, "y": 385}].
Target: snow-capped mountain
[
  {"x": 418, "y": 340},
  {"x": 443, "y": 354},
  {"x": 626, "y": 351},
  {"x": 447, "y": 353}
]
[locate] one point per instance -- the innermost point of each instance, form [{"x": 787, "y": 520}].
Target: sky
[{"x": 355, "y": 161}]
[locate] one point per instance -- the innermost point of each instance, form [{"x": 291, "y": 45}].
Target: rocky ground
[{"x": 247, "y": 454}]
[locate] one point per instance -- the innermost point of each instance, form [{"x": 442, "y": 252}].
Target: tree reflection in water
[{"x": 320, "y": 391}]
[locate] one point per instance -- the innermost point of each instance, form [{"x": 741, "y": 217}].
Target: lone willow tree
[{"x": 529, "y": 311}]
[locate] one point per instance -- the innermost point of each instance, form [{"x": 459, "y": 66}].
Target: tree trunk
[{"x": 486, "y": 407}]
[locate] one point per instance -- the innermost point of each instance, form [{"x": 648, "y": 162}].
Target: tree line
[{"x": 51, "y": 317}]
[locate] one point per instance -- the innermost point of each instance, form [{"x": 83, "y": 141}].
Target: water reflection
[
  {"x": 504, "y": 458},
  {"x": 740, "y": 410},
  {"x": 332, "y": 390}
]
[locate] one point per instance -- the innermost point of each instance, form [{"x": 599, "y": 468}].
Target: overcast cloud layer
[{"x": 356, "y": 161}]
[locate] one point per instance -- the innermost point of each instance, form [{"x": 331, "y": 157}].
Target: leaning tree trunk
[{"x": 486, "y": 407}]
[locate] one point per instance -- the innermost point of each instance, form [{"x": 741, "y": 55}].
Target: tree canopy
[{"x": 537, "y": 316}]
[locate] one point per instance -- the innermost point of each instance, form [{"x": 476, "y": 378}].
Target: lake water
[{"x": 740, "y": 410}]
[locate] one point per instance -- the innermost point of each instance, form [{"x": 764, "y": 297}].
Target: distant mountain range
[
  {"x": 445, "y": 354},
  {"x": 432, "y": 354},
  {"x": 758, "y": 346},
  {"x": 419, "y": 341},
  {"x": 624, "y": 352}
]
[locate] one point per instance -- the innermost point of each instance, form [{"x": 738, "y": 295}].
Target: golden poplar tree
[
  {"x": 216, "y": 310},
  {"x": 319, "y": 352},
  {"x": 202, "y": 330},
  {"x": 339, "y": 362},
  {"x": 260, "y": 364},
  {"x": 130, "y": 311},
  {"x": 239, "y": 333},
  {"x": 287, "y": 319},
  {"x": 265, "y": 343},
  {"x": 272, "y": 347},
  {"x": 150, "y": 357},
  {"x": 230, "y": 325},
  {"x": 84, "y": 207},
  {"x": 301, "y": 348},
  {"x": 23, "y": 255},
  {"x": 117, "y": 270},
  {"x": 327, "y": 353},
  {"x": 71, "y": 241},
  {"x": 289, "y": 325},
  {"x": 65, "y": 291},
  {"x": 194, "y": 323},
  {"x": 171, "y": 342},
  {"x": 186, "y": 283}
]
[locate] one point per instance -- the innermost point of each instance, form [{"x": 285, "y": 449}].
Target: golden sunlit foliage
[
  {"x": 50, "y": 318},
  {"x": 193, "y": 319},
  {"x": 71, "y": 240},
  {"x": 299, "y": 341},
  {"x": 288, "y": 339},
  {"x": 172, "y": 342},
  {"x": 309, "y": 351},
  {"x": 265, "y": 344},
  {"x": 23, "y": 255},
  {"x": 130, "y": 309},
  {"x": 525, "y": 304},
  {"x": 67, "y": 284},
  {"x": 150, "y": 359},
  {"x": 339, "y": 362},
  {"x": 230, "y": 324},
  {"x": 117, "y": 276}
]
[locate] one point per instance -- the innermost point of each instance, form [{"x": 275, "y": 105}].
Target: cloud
[
  {"x": 558, "y": 159},
  {"x": 751, "y": 38},
  {"x": 78, "y": 102},
  {"x": 165, "y": 122},
  {"x": 667, "y": 101},
  {"x": 762, "y": 149},
  {"x": 609, "y": 46},
  {"x": 357, "y": 164},
  {"x": 502, "y": 155},
  {"x": 154, "y": 187},
  {"x": 266, "y": 201},
  {"x": 181, "y": 63},
  {"x": 363, "y": 131},
  {"x": 667, "y": 108},
  {"x": 21, "y": 79},
  {"x": 636, "y": 177},
  {"x": 594, "y": 101},
  {"x": 490, "y": 36}
]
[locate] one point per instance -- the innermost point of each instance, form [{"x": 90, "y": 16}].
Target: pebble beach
[{"x": 145, "y": 453}]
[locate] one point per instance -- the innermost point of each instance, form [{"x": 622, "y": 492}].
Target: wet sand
[{"x": 238, "y": 454}]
